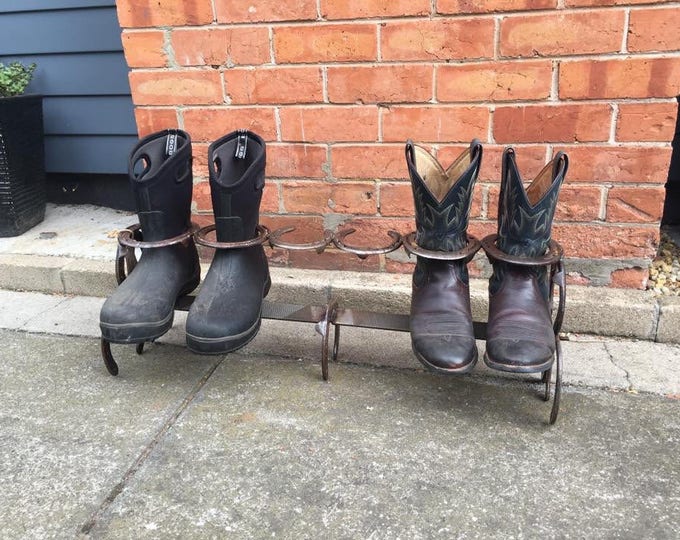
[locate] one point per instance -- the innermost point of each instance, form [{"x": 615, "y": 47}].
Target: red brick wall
[{"x": 336, "y": 87}]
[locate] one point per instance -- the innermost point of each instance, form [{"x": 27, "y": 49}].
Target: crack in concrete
[
  {"x": 620, "y": 368},
  {"x": 146, "y": 452},
  {"x": 43, "y": 313}
]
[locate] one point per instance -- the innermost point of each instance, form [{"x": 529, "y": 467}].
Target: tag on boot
[
  {"x": 241, "y": 145},
  {"x": 170, "y": 144}
]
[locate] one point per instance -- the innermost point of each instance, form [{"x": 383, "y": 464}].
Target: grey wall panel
[
  {"x": 100, "y": 115},
  {"x": 12, "y": 6},
  {"x": 89, "y": 116},
  {"x": 83, "y": 154},
  {"x": 78, "y": 74},
  {"x": 60, "y": 31}
]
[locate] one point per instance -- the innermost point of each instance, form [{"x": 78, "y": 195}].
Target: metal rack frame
[{"x": 332, "y": 314}]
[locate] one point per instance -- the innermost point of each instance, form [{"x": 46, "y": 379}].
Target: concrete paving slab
[
  {"x": 649, "y": 370},
  {"x": 70, "y": 432},
  {"x": 268, "y": 450},
  {"x": 75, "y": 316},
  {"x": 668, "y": 330},
  {"x": 20, "y": 307},
  {"x": 82, "y": 231}
]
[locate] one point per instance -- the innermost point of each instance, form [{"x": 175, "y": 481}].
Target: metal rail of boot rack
[{"x": 332, "y": 314}]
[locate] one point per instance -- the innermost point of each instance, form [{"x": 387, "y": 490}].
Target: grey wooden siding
[{"x": 89, "y": 118}]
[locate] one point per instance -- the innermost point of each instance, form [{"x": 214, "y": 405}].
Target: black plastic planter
[{"x": 22, "y": 164}]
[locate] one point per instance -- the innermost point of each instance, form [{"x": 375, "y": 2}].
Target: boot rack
[{"x": 332, "y": 314}]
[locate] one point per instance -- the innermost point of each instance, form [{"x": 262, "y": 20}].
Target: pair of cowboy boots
[
  {"x": 520, "y": 335},
  {"x": 226, "y": 313}
]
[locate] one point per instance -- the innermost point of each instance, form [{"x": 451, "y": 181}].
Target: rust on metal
[
  {"x": 469, "y": 251},
  {"x": 319, "y": 246},
  {"x": 261, "y": 238},
  {"x": 131, "y": 237},
  {"x": 362, "y": 253}
]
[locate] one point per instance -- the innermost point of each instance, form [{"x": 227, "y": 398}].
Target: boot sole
[
  {"x": 222, "y": 345},
  {"x": 141, "y": 332},
  {"x": 450, "y": 371},
  {"x": 227, "y": 344},
  {"x": 534, "y": 368}
]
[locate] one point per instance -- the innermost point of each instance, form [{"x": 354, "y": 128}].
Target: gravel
[{"x": 664, "y": 273}]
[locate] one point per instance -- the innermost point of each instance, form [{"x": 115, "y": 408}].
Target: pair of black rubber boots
[
  {"x": 226, "y": 313},
  {"x": 519, "y": 332}
]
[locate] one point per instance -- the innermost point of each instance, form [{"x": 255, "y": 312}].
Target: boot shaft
[
  {"x": 237, "y": 176},
  {"x": 442, "y": 198},
  {"x": 525, "y": 216},
  {"x": 160, "y": 175}
]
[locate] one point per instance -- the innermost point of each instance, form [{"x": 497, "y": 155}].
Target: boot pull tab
[
  {"x": 241, "y": 144},
  {"x": 410, "y": 153},
  {"x": 170, "y": 143},
  {"x": 561, "y": 164},
  {"x": 476, "y": 150}
]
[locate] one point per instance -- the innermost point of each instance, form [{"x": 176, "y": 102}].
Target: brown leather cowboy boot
[
  {"x": 520, "y": 335},
  {"x": 442, "y": 335}
]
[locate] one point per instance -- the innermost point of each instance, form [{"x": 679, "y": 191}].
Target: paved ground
[{"x": 255, "y": 445}]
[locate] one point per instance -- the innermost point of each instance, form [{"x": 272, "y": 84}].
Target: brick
[
  {"x": 274, "y": 85},
  {"x": 156, "y": 119},
  {"x": 230, "y": 12},
  {"x": 552, "y": 123},
  {"x": 578, "y": 203},
  {"x": 398, "y": 267},
  {"x": 376, "y": 84},
  {"x": 599, "y": 3},
  {"x": 368, "y": 161},
  {"x": 396, "y": 199},
  {"x": 326, "y": 198},
  {"x": 201, "y": 200},
  {"x": 208, "y": 124},
  {"x": 146, "y": 13},
  {"x": 325, "y": 43},
  {"x": 333, "y": 259},
  {"x": 176, "y": 87},
  {"x": 372, "y": 232},
  {"x": 654, "y": 30},
  {"x": 606, "y": 241},
  {"x": 635, "y": 204},
  {"x": 494, "y": 81},
  {"x": 558, "y": 33},
  {"x": 454, "y": 7},
  {"x": 307, "y": 228},
  {"x": 646, "y": 122},
  {"x": 437, "y": 39},
  {"x": 270, "y": 197},
  {"x": 530, "y": 160},
  {"x": 221, "y": 46},
  {"x": 627, "y": 78},
  {"x": 200, "y": 159},
  {"x": 329, "y": 124},
  {"x": 439, "y": 123},
  {"x": 629, "y": 278},
  {"x": 359, "y": 9},
  {"x": 144, "y": 49},
  {"x": 296, "y": 160},
  {"x": 604, "y": 164}
]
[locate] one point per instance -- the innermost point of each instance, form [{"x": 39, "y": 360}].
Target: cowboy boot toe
[
  {"x": 518, "y": 355},
  {"x": 449, "y": 354}
]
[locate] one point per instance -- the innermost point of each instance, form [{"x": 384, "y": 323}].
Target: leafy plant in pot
[{"x": 22, "y": 155}]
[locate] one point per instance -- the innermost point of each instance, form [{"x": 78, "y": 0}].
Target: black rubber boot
[
  {"x": 227, "y": 311},
  {"x": 142, "y": 307},
  {"x": 442, "y": 335},
  {"x": 520, "y": 336}
]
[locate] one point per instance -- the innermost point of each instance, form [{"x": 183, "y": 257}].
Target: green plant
[{"x": 14, "y": 78}]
